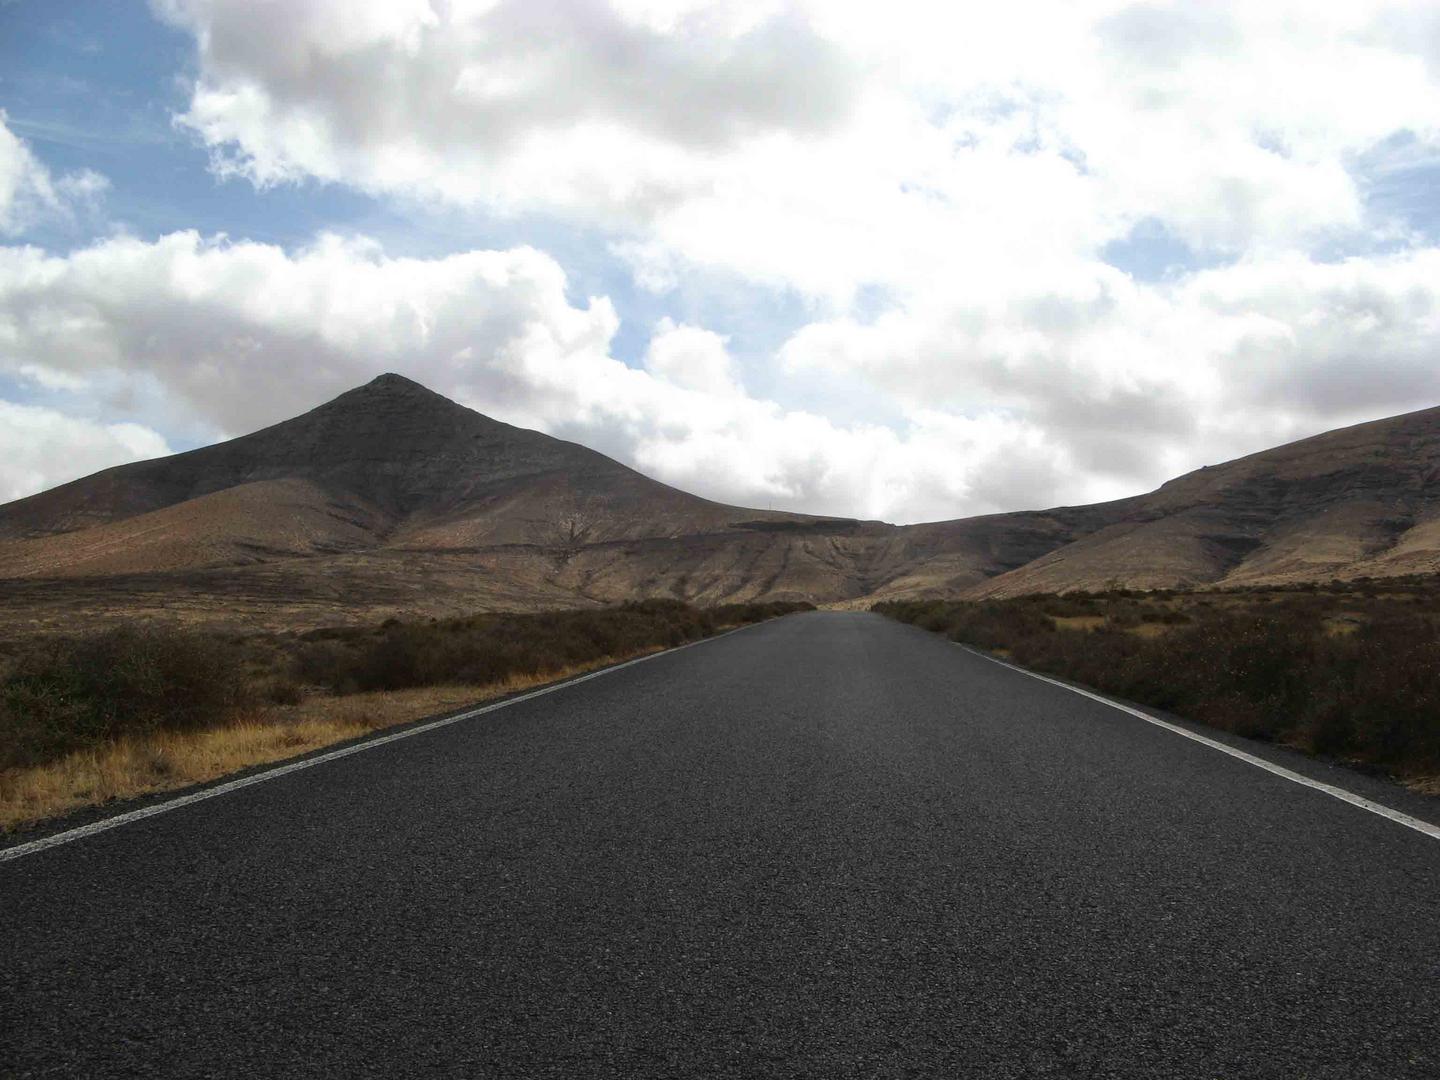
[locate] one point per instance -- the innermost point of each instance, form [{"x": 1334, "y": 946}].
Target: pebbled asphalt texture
[{"x": 827, "y": 846}]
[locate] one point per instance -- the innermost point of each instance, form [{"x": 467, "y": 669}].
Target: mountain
[
  {"x": 1362, "y": 500},
  {"x": 388, "y": 463},
  {"x": 392, "y": 499}
]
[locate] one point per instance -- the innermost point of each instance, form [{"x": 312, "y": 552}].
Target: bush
[
  {"x": 492, "y": 648},
  {"x": 58, "y": 696},
  {"x": 1265, "y": 668},
  {"x": 65, "y": 695}
]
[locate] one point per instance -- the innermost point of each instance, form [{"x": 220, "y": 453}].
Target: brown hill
[
  {"x": 388, "y": 462},
  {"x": 1359, "y": 501},
  {"x": 394, "y": 500}
]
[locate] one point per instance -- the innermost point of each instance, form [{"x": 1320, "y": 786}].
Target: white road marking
[
  {"x": 144, "y": 812},
  {"x": 1432, "y": 831}
]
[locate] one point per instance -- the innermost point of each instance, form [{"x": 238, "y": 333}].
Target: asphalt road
[{"x": 826, "y": 846}]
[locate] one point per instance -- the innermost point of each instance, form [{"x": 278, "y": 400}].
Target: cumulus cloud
[
  {"x": 245, "y": 334},
  {"x": 41, "y": 447},
  {"x": 1083, "y": 389},
  {"x": 1144, "y": 380},
  {"x": 693, "y": 358},
  {"x": 937, "y": 189},
  {"x": 613, "y": 108},
  {"x": 827, "y": 145},
  {"x": 30, "y": 194}
]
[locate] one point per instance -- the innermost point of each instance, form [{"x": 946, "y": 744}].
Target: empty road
[{"x": 827, "y": 846}]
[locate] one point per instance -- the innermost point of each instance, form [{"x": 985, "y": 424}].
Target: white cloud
[
  {"x": 692, "y": 358},
  {"x": 968, "y": 166},
  {"x": 244, "y": 334},
  {"x": 826, "y": 145},
  {"x": 510, "y": 102},
  {"x": 1144, "y": 381},
  {"x": 40, "y": 447},
  {"x": 30, "y": 194},
  {"x": 1084, "y": 388}
]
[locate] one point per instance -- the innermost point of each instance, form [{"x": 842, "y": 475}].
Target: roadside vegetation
[
  {"x": 1348, "y": 671},
  {"x": 142, "y": 709}
]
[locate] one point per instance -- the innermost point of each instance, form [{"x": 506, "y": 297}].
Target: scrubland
[
  {"x": 1349, "y": 671},
  {"x": 128, "y": 711}
]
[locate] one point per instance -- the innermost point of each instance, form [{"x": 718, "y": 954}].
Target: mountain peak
[
  {"x": 392, "y": 400},
  {"x": 392, "y": 381},
  {"x": 396, "y": 387}
]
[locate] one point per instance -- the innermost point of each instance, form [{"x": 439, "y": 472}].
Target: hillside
[
  {"x": 390, "y": 462},
  {"x": 392, "y": 499},
  {"x": 1362, "y": 500}
]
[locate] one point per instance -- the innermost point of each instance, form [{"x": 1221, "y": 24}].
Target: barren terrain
[{"x": 392, "y": 500}]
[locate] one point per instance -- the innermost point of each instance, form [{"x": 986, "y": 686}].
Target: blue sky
[
  {"x": 94, "y": 84},
  {"x": 786, "y": 254}
]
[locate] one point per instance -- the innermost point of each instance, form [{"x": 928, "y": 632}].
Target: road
[{"x": 827, "y": 846}]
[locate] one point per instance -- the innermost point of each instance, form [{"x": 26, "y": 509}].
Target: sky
[{"x": 907, "y": 261}]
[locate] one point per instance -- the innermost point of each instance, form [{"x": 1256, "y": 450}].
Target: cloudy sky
[{"x": 902, "y": 260}]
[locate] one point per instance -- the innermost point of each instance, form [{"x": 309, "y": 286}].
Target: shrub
[
  {"x": 67, "y": 694},
  {"x": 1263, "y": 668},
  {"x": 491, "y": 648},
  {"x": 57, "y": 696}
]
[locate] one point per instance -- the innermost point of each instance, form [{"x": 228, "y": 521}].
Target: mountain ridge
[{"x": 393, "y": 498}]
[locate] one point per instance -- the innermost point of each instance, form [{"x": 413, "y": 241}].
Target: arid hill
[
  {"x": 390, "y": 463},
  {"x": 1360, "y": 501},
  {"x": 391, "y": 499}
]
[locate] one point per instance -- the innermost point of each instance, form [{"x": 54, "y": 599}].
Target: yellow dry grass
[
  {"x": 1078, "y": 622},
  {"x": 1343, "y": 624},
  {"x": 1425, "y": 785},
  {"x": 1151, "y": 629},
  {"x": 168, "y": 760}
]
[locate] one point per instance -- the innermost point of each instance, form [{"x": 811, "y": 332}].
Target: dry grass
[
  {"x": 1150, "y": 630},
  {"x": 1425, "y": 785},
  {"x": 1342, "y": 625},
  {"x": 1078, "y": 622},
  {"x": 166, "y": 760},
  {"x": 1341, "y": 671}
]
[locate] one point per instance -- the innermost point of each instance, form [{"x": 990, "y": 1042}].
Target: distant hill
[
  {"x": 1359, "y": 501},
  {"x": 392, "y": 499}
]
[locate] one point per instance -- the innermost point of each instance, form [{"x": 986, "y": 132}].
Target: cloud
[
  {"x": 512, "y": 103},
  {"x": 41, "y": 447},
  {"x": 1088, "y": 386},
  {"x": 692, "y": 358},
  {"x": 30, "y": 194},
  {"x": 934, "y": 189},
  {"x": 1142, "y": 381},
  {"x": 826, "y": 146},
  {"x": 239, "y": 335}
]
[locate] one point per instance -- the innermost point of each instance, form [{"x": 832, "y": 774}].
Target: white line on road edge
[
  {"x": 94, "y": 827},
  {"x": 1396, "y": 816}
]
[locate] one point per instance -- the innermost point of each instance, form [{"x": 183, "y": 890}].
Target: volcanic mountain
[
  {"x": 391, "y": 499},
  {"x": 390, "y": 464}
]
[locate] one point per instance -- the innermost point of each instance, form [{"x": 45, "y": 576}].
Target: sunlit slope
[{"x": 1363, "y": 500}]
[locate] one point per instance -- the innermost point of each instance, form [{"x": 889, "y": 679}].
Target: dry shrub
[
  {"x": 1263, "y": 666},
  {"x": 61, "y": 696},
  {"x": 490, "y": 648}
]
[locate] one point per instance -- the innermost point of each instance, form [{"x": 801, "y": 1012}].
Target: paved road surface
[{"x": 827, "y": 846}]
